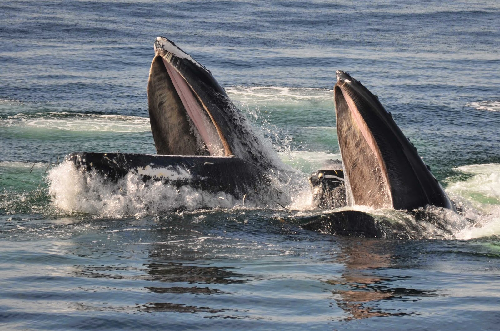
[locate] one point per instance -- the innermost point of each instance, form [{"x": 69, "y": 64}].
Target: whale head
[
  {"x": 191, "y": 113},
  {"x": 382, "y": 169}
]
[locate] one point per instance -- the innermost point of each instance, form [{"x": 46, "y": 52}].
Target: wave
[
  {"x": 275, "y": 94},
  {"x": 479, "y": 196},
  {"x": 77, "y": 122},
  {"x": 490, "y": 105},
  {"x": 23, "y": 165}
]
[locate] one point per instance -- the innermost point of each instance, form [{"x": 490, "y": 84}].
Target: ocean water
[{"x": 73, "y": 77}]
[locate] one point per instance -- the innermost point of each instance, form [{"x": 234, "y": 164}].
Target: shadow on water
[
  {"x": 365, "y": 290},
  {"x": 180, "y": 270},
  {"x": 169, "y": 274},
  {"x": 161, "y": 274}
]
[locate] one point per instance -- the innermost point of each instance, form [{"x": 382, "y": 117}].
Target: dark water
[{"x": 73, "y": 78}]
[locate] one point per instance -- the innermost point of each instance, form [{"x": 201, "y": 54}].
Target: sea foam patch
[
  {"x": 78, "y": 122},
  {"x": 481, "y": 195},
  {"x": 490, "y": 105},
  {"x": 74, "y": 191},
  {"x": 308, "y": 162},
  {"x": 266, "y": 95},
  {"x": 482, "y": 189},
  {"x": 169, "y": 173}
]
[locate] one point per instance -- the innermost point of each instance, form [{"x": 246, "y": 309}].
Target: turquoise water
[{"x": 74, "y": 77}]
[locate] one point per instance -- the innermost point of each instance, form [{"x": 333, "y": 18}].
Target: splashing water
[
  {"x": 90, "y": 193},
  {"x": 481, "y": 195},
  {"x": 478, "y": 200}
]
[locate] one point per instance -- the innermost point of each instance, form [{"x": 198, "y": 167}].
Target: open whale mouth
[
  {"x": 182, "y": 119},
  {"x": 364, "y": 165},
  {"x": 382, "y": 169}
]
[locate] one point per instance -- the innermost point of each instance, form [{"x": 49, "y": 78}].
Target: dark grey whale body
[
  {"x": 196, "y": 129},
  {"x": 381, "y": 170},
  {"x": 213, "y": 174}
]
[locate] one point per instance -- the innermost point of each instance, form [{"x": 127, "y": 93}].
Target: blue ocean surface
[{"x": 73, "y": 77}]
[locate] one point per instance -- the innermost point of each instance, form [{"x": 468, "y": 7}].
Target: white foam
[
  {"x": 79, "y": 122},
  {"x": 75, "y": 192},
  {"x": 490, "y": 226},
  {"x": 480, "y": 197},
  {"x": 26, "y": 165},
  {"x": 170, "y": 173},
  {"x": 485, "y": 105},
  {"x": 268, "y": 94},
  {"x": 65, "y": 186},
  {"x": 482, "y": 190},
  {"x": 307, "y": 161},
  {"x": 9, "y": 102}
]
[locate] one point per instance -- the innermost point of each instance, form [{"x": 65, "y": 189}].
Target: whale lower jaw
[{"x": 213, "y": 174}]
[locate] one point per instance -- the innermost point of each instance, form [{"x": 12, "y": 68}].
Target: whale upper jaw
[
  {"x": 182, "y": 118},
  {"x": 382, "y": 169},
  {"x": 191, "y": 113},
  {"x": 165, "y": 47}
]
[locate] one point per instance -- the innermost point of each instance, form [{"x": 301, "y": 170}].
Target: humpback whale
[
  {"x": 382, "y": 168},
  {"x": 196, "y": 130},
  {"x": 204, "y": 141},
  {"x": 191, "y": 113}
]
